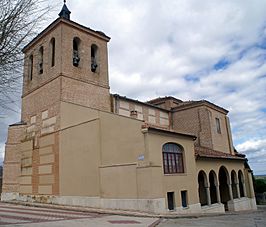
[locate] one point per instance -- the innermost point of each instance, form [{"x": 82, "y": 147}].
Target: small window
[
  {"x": 30, "y": 67},
  {"x": 171, "y": 200},
  {"x": 76, "y": 58},
  {"x": 184, "y": 198},
  {"x": 172, "y": 158},
  {"x": 52, "y": 51},
  {"x": 218, "y": 126},
  {"x": 94, "y": 58},
  {"x": 41, "y": 60}
]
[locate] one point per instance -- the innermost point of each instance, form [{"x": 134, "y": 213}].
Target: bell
[
  {"x": 93, "y": 67},
  {"x": 76, "y": 60}
]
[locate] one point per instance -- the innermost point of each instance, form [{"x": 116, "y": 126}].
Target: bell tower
[{"x": 65, "y": 62}]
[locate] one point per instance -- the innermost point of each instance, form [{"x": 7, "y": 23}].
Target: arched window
[
  {"x": 41, "y": 60},
  {"x": 172, "y": 158},
  {"x": 76, "y": 58},
  {"x": 30, "y": 66},
  {"x": 52, "y": 51},
  {"x": 94, "y": 58}
]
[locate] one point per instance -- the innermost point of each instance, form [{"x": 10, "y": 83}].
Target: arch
[
  {"x": 213, "y": 184},
  {"x": 41, "y": 60},
  {"x": 224, "y": 185},
  {"x": 241, "y": 183},
  {"x": 172, "y": 158},
  {"x": 203, "y": 184},
  {"x": 76, "y": 47},
  {"x": 94, "y": 58},
  {"x": 234, "y": 182},
  {"x": 30, "y": 67},
  {"x": 52, "y": 51}
]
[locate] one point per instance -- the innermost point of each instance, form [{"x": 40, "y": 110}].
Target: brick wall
[
  {"x": 201, "y": 121},
  {"x": 194, "y": 121}
]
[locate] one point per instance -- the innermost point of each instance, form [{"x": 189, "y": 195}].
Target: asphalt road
[{"x": 236, "y": 219}]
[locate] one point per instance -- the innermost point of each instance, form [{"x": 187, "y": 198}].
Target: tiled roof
[
  {"x": 164, "y": 130},
  {"x": 160, "y": 99},
  {"x": 203, "y": 152},
  {"x": 187, "y": 104}
]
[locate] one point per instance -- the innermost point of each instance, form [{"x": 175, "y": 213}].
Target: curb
[{"x": 123, "y": 212}]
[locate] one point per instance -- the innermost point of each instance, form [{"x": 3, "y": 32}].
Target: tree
[
  {"x": 19, "y": 21},
  {"x": 260, "y": 185}
]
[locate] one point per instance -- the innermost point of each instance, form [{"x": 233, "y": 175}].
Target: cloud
[
  {"x": 256, "y": 152},
  {"x": 252, "y": 146}
]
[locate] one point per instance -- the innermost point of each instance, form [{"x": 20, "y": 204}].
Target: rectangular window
[
  {"x": 184, "y": 198},
  {"x": 173, "y": 163},
  {"x": 218, "y": 126},
  {"x": 170, "y": 200}
]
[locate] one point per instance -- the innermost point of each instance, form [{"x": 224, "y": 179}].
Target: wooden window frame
[{"x": 172, "y": 158}]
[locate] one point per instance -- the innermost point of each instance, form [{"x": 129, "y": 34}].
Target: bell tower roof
[{"x": 65, "y": 13}]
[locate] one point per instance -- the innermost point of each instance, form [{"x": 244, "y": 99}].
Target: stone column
[
  {"x": 237, "y": 190},
  {"x": 230, "y": 191},
  {"x": 244, "y": 189},
  {"x": 250, "y": 181},
  {"x": 208, "y": 195},
  {"x": 218, "y": 193}
]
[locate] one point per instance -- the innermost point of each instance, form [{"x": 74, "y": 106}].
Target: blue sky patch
[
  {"x": 222, "y": 64},
  {"x": 192, "y": 78}
]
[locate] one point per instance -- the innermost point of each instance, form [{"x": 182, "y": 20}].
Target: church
[{"x": 79, "y": 145}]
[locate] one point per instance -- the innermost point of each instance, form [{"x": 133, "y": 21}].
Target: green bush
[{"x": 260, "y": 186}]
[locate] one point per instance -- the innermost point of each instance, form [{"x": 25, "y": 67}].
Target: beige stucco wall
[
  {"x": 79, "y": 160},
  {"x": 99, "y": 154},
  {"x": 79, "y": 151},
  {"x": 215, "y": 164},
  {"x": 87, "y": 146},
  {"x": 174, "y": 182},
  {"x": 121, "y": 139}
]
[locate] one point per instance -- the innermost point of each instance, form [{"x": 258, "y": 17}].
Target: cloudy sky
[{"x": 190, "y": 49}]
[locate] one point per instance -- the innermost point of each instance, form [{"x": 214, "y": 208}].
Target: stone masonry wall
[{"x": 12, "y": 161}]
